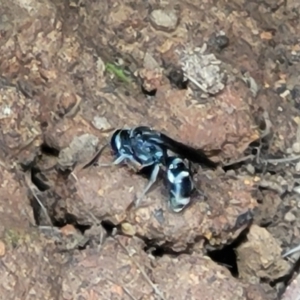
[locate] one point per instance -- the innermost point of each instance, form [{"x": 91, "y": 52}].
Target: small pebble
[
  {"x": 128, "y": 229},
  {"x": 164, "y": 20},
  {"x": 289, "y": 217},
  {"x": 231, "y": 173},
  {"x": 219, "y": 41},
  {"x": 297, "y": 167},
  {"x": 296, "y": 147},
  {"x": 101, "y": 123},
  {"x": 251, "y": 169}
]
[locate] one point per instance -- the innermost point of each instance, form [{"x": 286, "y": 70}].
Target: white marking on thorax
[{"x": 118, "y": 141}]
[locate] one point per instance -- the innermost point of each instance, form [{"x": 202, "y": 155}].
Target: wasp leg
[
  {"x": 119, "y": 160},
  {"x": 152, "y": 180}
]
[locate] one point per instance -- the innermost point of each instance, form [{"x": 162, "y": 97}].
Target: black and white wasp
[{"x": 141, "y": 147}]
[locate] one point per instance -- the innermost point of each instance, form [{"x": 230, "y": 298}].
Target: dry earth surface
[{"x": 218, "y": 75}]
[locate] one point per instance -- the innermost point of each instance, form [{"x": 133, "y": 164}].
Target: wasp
[
  {"x": 141, "y": 147},
  {"x": 137, "y": 153}
]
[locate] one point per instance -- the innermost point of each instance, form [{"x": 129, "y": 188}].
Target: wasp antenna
[{"x": 95, "y": 157}]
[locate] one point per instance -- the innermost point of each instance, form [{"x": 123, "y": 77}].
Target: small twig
[
  {"x": 154, "y": 287},
  {"x": 195, "y": 82},
  {"x": 32, "y": 189},
  {"x": 281, "y": 160},
  {"x": 74, "y": 109},
  {"x": 257, "y": 156},
  {"x": 46, "y": 228},
  {"x": 251, "y": 156},
  {"x": 128, "y": 293},
  {"x": 94, "y": 158},
  {"x": 262, "y": 160},
  {"x": 225, "y": 265},
  {"x": 268, "y": 123},
  {"x": 124, "y": 288}
]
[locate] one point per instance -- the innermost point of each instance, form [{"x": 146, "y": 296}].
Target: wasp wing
[
  {"x": 167, "y": 143},
  {"x": 183, "y": 150}
]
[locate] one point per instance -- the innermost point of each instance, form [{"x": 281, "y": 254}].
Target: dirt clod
[
  {"x": 164, "y": 19},
  {"x": 289, "y": 217},
  {"x": 79, "y": 150},
  {"x": 202, "y": 69},
  {"x": 261, "y": 256},
  {"x": 296, "y": 147}
]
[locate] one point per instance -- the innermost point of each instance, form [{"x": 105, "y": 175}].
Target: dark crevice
[
  {"x": 81, "y": 228},
  {"x": 176, "y": 78},
  {"x": 38, "y": 179},
  {"x": 64, "y": 173},
  {"x": 71, "y": 219},
  {"x": 227, "y": 256},
  {"x": 28, "y": 165},
  {"x": 285, "y": 194},
  {"x": 287, "y": 278},
  {"x": 151, "y": 93},
  {"x": 160, "y": 250},
  {"x": 262, "y": 169},
  {"x": 108, "y": 227},
  {"x": 261, "y": 188},
  {"x": 39, "y": 214},
  {"x": 234, "y": 166},
  {"x": 59, "y": 223},
  {"x": 48, "y": 150},
  {"x": 265, "y": 223}
]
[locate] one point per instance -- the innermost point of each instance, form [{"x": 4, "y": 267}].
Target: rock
[
  {"x": 150, "y": 62},
  {"x": 101, "y": 123},
  {"x": 80, "y": 149},
  {"x": 204, "y": 70},
  {"x": 289, "y": 217},
  {"x": 260, "y": 256},
  {"x": 109, "y": 192},
  {"x": 164, "y": 20},
  {"x": 251, "y": 169},
  {"x": 296, "y": 147},
  {"x": 196, "y": 277},
  {"x": 152, "y": 79}
]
